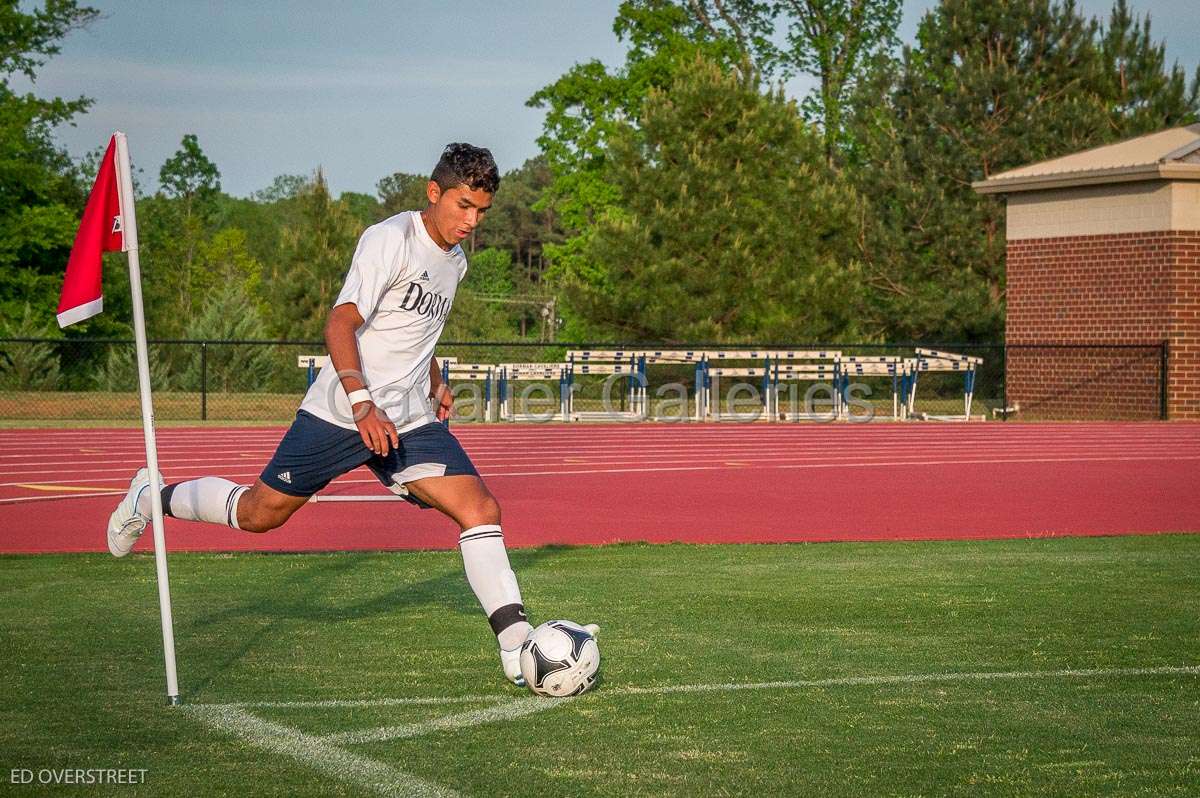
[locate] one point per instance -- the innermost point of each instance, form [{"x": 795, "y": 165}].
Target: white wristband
[{"x": 361, "y": 395}]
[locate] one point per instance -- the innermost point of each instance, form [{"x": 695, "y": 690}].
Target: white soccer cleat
[
  {"x": 126, "y": 524},
  {"x": 511, "y": 662}
]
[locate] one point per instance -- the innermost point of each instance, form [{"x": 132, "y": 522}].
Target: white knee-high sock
[
  {"x": 490, "y": 576},
  {"x": 210, "y": 499}
]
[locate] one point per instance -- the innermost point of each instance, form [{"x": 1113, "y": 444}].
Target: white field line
[
  {"x": 720, "y": 467},
  {"x": 507, "y": 711},
  {"x": 23, "y": 475},
  {"x": 795, "y": 684},
  {"x": 325, "y": 754},
  {"x": 351, "y": 703},
  {"x": 316, "y": 753}
]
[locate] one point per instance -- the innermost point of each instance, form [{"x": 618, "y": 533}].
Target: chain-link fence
[
  {"x": 263, "y": 381},
  {"x": 1085, "y": 381}
]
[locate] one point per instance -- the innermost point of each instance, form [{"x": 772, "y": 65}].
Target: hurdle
[
  {"x": 608, "y": 362},
  {"x": 453, "y": 371},
  {"x": 674, "y": 357},
  {"x": 933, "y": 360},
  {"x": 510, "y": 373},
  {"x": 897, "y": 368},
  {"x": 715, "y": 368},
  {"x": 814, "y": 366},
  {"x": 312, "y": 363}
]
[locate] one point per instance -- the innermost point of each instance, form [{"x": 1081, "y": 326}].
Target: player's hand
[
  {"x": 377, "y": 430},
  {"x": 443, "y": 401}
]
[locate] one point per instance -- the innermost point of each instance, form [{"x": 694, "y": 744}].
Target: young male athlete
[{"x": 379, "y": 400}]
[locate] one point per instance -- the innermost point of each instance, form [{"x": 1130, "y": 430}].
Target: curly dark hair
[{"x": 464, "y": 165}]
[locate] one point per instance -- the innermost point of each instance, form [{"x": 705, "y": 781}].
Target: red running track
[{"x": 586, "y": 484}]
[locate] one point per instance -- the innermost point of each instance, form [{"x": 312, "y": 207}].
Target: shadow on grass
[{"x": 303, "y": 595}]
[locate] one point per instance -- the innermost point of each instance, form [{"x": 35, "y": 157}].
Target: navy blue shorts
[{"x": 314, "y": 452}]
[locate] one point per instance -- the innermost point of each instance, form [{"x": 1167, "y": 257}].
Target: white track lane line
[
  {"x": 82, "y": 472},
  {"x": 485, "y": 454},
  {"x": 845, "y": 465},
  {"x": 485, "y": 444},
  {"x": 199, "y": 431},
  {"x": 116, "y": 464},
  {"x": 311, "y": 751},
  {"x": 211, "y": 446},
  {"x": 505, "y": 431},
  {"x": 722, "y": 467},
  {"x": 20, "y": 499},
  {"x": 840, "y": 433},
  {"x": 15, "y": 476},
  {"x": 743, "y": 457}
]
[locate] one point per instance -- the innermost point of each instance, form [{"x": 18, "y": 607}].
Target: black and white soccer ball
[{"x": 560, "y": 658}]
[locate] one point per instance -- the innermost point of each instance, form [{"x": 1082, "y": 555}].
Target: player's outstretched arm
[{"x": 377, "y": 431}]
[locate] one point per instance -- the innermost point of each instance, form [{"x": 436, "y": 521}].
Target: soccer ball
[{"x": 560, "y": 658}]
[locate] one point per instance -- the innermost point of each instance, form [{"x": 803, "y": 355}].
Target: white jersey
[{"x": 403, "y": 285}]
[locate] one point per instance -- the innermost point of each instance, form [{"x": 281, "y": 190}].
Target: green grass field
[{"x": 882, "y": 649}]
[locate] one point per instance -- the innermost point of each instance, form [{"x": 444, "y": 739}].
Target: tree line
[{"x": 678, "y": 196}]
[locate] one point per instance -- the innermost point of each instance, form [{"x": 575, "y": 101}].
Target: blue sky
[{"x": 361, "y": 88}]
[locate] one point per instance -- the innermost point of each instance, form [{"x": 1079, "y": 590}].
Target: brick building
[{"x": 1104, "y": 248}]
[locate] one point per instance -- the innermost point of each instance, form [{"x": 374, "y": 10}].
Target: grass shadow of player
[{"x": 272, "y": 610}]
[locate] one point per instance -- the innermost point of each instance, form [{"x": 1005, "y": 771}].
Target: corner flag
[
  {"x": 109, "y": 224},
  {"x": 100, "y": 231}
]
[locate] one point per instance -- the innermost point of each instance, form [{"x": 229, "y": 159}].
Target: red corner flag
[
  {"x": 100, "y": 231},
  {"x": 109, "y": 224}
]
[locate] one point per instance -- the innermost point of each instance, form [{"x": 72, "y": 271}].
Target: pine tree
[
  {"x": 729, "y": 225},
  {"x": 314, "y": 255},
  {"x": 990, "y": 85},
  {"x": 174, "y": 228},
  {"x": 229, "y": 314},
  {"x": 1144, "y": 95},
  {"x": 588, "y": 104}
]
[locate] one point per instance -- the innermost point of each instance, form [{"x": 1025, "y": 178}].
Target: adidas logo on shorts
[{"x": 285, "y": 476}]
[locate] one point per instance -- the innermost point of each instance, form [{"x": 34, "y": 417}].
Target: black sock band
[
  {"x": 166, "y": 494},
  {"x": 231, "y": 505},
  {"x": 506, "y": 616}
]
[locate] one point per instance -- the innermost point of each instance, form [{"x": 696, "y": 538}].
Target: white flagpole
[{"x": 129, "y": 237}]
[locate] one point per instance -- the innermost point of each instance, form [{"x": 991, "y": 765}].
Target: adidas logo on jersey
[
  {"x": 285, "y": 476},
  {"x": 424, "y": 275}
]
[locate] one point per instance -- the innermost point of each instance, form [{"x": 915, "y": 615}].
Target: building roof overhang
[{"x": 1167, "y": 155}]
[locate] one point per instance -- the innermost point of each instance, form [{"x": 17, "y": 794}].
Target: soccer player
[{"x": 379, "y": 401}]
